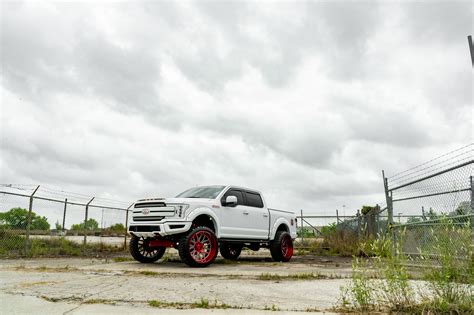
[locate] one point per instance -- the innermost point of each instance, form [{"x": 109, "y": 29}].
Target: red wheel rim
[
  {"x": 286, "y": 247},
  {"x": 202, "y": 247}
]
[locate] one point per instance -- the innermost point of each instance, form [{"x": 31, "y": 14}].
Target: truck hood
[
  {"x": 189, "y": 200},
  {"x": 177, "y": 200}
]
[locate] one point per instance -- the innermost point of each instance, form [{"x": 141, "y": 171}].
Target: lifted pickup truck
[{"x": 202, "y": 220}]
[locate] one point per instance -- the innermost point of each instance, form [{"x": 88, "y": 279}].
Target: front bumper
[{"x": 143, "y": 229}]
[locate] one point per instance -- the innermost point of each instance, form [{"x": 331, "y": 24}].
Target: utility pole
[{"x": 64, "y": 214}]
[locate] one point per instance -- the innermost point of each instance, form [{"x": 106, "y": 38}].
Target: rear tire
[
  {"x": 199, "y": 247},
  {"x": 230, "y": 251},
  {"x": 281, "y": 247},
  {"x": 142, "y": 252}
]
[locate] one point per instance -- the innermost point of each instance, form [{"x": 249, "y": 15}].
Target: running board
[{"x": 244, "y": 241}]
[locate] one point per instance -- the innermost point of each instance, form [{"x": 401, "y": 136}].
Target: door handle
[
  {"x": 265, "y": 215},
  {"x": 246, "y": 212}
]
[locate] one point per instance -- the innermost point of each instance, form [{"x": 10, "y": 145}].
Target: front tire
[
  {"x": 142, "y": 252},
  {"x": 281, "y": 247},
  {"x": 199, "y": 247},
  {"x": 230, "y": 251}
]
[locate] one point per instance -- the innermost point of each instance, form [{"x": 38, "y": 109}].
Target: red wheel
[
  {"x": 199, "y": 247},
  {"x": 286, "y": 247},
  {"x": 281, "y": 247}
]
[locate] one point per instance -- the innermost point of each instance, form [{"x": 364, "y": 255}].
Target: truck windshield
[{"x": 209, "y": 192}]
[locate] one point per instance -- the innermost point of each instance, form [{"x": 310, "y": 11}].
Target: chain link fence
[
  {"x": 437, "y": 196},
  {"x": 340, "y": 235},
  {"x": 428, "y": 212},
  {"x": 38, "y": 221}
]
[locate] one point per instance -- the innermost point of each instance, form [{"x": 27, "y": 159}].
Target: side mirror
[{"x": 231, "y": 201}]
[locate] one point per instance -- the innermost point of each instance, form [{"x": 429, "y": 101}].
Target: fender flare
[
  {"x": 277, "y": 223},
  {"x": 206, "y": 211}
]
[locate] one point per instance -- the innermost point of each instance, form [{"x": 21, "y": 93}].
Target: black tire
[
  {"x": 281, "y": 247},
  {"x": 198, "y": 248},
  {"x": 142, "y": 253},
  {"x": 230, "y": 251}
]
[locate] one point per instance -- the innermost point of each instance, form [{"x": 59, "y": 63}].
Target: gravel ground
[{"x": 98, "y": 286}]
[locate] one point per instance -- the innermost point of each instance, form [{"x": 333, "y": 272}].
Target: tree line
[{"x": 17, "y": 218}]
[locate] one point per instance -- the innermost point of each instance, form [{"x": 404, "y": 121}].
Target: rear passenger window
[
  {"x": 237, "y": 193},
  {"x": 253, "y": 200}
]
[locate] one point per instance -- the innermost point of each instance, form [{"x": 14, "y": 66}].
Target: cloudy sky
[{"x": 306, "y": 101}]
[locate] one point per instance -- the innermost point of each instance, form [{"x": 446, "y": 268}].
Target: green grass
[
  {"x": 98, "y": 301},
  {"x": 273, "y": 308},
  {"x": 47, "y": 269},
  {"x": 12, "y": 245},
  {"x": 148, "y": 273},
  {"x": 202, "y": 303},
  {"x": 161, "y": 304},
  {"x": 294, "y": 276},
  {"x": 122, "y": 259}
]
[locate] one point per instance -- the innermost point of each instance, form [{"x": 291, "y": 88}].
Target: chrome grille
[
  {"x": 147, "y": 218},
  {"x": 149, "y": 205}
]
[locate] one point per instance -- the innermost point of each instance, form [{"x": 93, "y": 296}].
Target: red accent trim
[{"x": 160, "y": 243}]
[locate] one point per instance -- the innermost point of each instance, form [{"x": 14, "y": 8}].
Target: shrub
[
  {"x": 90, "y": 225},
  {"x": 17, "y": 218}
]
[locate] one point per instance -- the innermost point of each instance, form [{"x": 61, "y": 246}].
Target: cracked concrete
[{"x": 130, "y": 285}]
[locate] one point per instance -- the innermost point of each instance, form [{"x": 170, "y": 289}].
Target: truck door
[
  {"x": 258, "y": 216},
  {"x": 233, "y": 218}
]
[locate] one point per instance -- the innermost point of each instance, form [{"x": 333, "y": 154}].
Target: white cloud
[{"x": 304, "y": 101}]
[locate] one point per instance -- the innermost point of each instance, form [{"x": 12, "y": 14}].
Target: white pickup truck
[{"x": 202, "y": 220}]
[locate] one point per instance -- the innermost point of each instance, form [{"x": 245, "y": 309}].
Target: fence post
[
  {"x": 388, "y": 198},
  {"x": 302, "y": 228},
  {"x": 358, "y": 224},
  {"x": 337, "y": 217},
  {"x": 377, "y": 221},
  {"x": 126, "y": 227},
  {"x": 472, "y": 216},
  {"x": 28, "y": 221},
  {"x": 64, "y": 214},
  {"x": 85, "y": 221}
]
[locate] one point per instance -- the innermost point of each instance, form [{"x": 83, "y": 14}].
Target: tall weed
[{"x": 447, "y": 267}]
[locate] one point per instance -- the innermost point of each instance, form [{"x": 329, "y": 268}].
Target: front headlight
[{"x": 181, "y": 209}]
